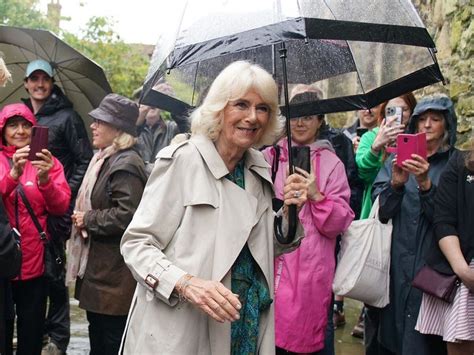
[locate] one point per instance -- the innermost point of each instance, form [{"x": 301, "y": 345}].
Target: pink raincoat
[{"x": 303, "y": 278}]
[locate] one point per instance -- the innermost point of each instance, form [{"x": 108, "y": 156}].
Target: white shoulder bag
[{"x": 363, "y": 270}]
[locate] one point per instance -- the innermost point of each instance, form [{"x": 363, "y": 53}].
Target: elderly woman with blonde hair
[
  {"x": 201, "y": 242},
  {"x": 107, "y": 199}
]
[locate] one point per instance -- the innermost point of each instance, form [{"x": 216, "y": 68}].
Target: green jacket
[{"x": 368, "y": 165}]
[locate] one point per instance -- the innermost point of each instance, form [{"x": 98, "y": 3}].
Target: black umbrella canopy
[
  {"x": 82, "y": 80},
  {"x": 360, "y": 53}
]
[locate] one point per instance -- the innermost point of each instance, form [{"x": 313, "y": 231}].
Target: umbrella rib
[
  {"x": 36, "y": 44},
  {"x": 194, "y": 83},
  {"x": 11, "y": 93},
  {"x": 71, "y": 81}
]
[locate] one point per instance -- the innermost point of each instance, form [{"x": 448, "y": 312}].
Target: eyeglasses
[
  {"x": 304, "y": 119},
  {"x": 98, "y": 122}
]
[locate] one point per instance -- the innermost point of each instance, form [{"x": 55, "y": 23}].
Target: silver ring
[{"x": 296, "y": 194}]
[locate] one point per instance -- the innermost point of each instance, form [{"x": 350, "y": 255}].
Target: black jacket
[
  {"x": 454, "y": 212},
  {"x": 343, "y": 147},
  {"x": 67, "y": 136},
  {"x": 10, "y": 263}
]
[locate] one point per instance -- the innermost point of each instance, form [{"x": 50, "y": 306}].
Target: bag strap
[
  {"x": 21, "y": 192},
  {"x": 276, "y": 161},
  {"x": 374, "y": 211}
]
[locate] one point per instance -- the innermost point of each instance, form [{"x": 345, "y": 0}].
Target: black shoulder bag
[{"x": 53, "y": 257}]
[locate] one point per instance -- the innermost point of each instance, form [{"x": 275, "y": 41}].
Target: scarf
[
  {"x": 79, "y": 243},
  {"x": 253, "y": 292}
]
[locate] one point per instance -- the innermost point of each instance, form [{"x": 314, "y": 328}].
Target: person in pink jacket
[
  {"x": 47, "y": 191},
  {"x": 303, "y": 278}
]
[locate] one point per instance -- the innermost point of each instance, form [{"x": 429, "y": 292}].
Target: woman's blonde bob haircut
[
  {"x": 124, "y": 141},
  {"x": 231, "y": 84}
]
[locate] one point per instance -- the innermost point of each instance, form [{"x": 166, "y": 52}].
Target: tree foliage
[
  {"x": 125, "y": 65},
  {"x": 23, "y": 13}
]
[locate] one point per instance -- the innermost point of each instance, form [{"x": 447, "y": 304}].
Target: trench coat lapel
[{"x": 240, "y": 212}]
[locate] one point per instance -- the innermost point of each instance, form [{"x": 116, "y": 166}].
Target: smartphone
[
  {"x": 396, "y": 111},
  {"x": 301, "y": 158},
  {"x": 408, "y": 144},
  {"x": 39, "y": 141},
  {"x": 360, "y": 131}
]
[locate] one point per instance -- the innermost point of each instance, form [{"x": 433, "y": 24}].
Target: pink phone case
[
  {"x": 39, "y": 141},
  {"x": 408, "y": 144}
]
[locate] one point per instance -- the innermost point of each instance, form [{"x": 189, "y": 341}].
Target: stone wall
[{"x": 449, "y": 23}]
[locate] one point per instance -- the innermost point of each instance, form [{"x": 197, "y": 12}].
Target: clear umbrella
[
  {"x": 82, "y": 80},
  {"x": 359, "y": 53}
]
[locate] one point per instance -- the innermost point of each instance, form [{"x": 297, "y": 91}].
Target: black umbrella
[
  {"x": 360, "y": 53},
  {"x": 82, "y": 80}
]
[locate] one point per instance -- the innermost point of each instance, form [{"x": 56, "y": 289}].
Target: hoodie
[{"x": 306, "y": 274}]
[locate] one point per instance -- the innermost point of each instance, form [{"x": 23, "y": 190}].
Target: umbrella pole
[{"x": 292, "y": 213}]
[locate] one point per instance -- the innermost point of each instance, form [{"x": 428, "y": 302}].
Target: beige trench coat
[{"x": 193, "y": 220}]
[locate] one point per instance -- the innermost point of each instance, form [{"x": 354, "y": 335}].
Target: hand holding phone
[
  {"x": 39, "y": 141},
  {"x": 394, "y": 111},
  {"x": 408, "y": 144}
]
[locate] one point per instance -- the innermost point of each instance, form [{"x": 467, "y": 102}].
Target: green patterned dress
[{"x": 253, "y": 292}]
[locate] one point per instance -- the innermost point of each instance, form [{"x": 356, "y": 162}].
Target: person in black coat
[{"x": 10, "y": 263}]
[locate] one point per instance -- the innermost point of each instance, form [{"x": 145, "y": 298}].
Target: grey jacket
[{"x": 411, "y": 212}]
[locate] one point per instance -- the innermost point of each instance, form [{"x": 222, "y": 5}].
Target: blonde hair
[
  {"x": 124, "y": 141},
  {"x": 231, "y": 84},
  {"x": 4, "y": 73}
]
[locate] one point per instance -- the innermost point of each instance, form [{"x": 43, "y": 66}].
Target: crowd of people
[{"x": 170, "y": 239}]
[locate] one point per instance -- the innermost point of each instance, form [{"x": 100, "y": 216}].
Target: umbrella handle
[
  {"x": 292, "y": 224},
  {"x": 292, "y": 213}
]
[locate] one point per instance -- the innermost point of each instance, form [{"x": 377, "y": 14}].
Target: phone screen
[{"x": 301, "y": 158}]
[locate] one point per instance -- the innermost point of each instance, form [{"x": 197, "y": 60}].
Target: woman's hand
[
  {"x": 466, "y": 274},
  {"x": 78, "y": 219},
  {"x": 387, "y": 134},
  {"x": 311, "y": 184},
  {"x": 295, "y": 190},
  {"x": 44, "y": 165},
  {"x": 419, "y": 167},
  {"x": 211, "y": 297},
  {"x": 399, "y": 176},
  {"x": 19, "y": 160}
]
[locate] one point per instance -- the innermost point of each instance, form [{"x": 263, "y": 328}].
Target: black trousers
[
  {"x": 105, "y": 333},
  {"x": 29, "y": 298},
  {"x": 58, "y": 322}
]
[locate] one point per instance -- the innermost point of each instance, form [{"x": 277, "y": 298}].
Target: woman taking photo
[
  {"x": 107, "y": 199},
  {"x": 306, "y": 274},
  {"x": 45, "y": 187},
  {"x": 201, "y": 242},
  {"x": 371, "y": 155},
  {"x": 453, "y": 254},
  {"x": 407, "y": 197}
]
